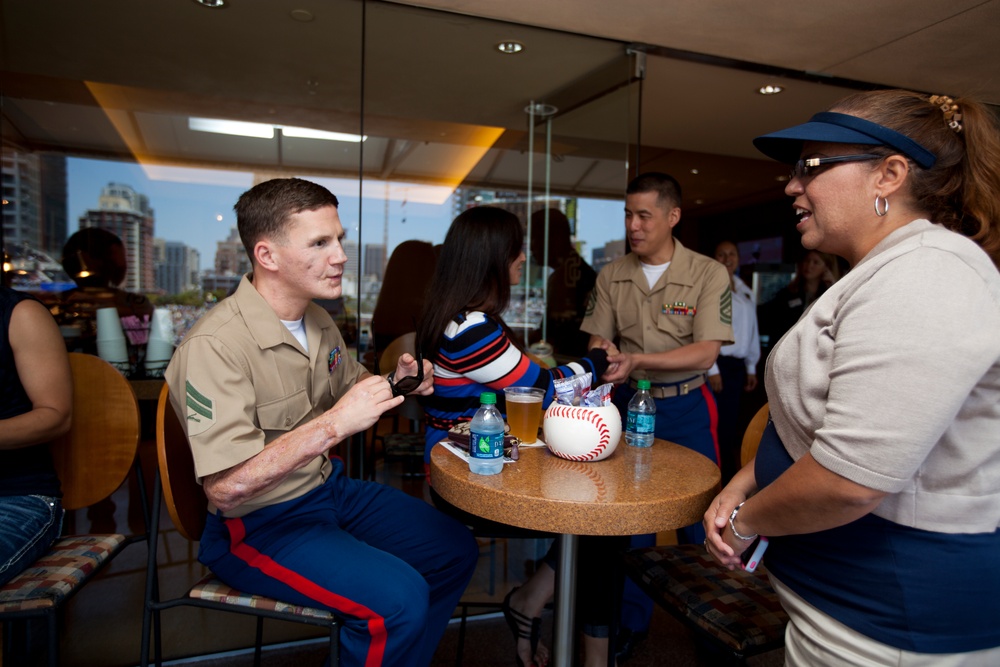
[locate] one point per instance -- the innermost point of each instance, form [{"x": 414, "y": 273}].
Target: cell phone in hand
[{"x": 751, "y": 557}]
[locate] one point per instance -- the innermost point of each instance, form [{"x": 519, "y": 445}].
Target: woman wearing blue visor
[{"x": 878, "y": 479}]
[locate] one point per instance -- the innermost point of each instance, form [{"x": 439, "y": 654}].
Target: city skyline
[{"x": 195, "y": 206}]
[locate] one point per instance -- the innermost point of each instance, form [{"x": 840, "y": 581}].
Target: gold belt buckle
[{"x": 684, "y": 389}]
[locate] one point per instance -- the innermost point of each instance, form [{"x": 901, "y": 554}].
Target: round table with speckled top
[{"x": 632, "y": 492}]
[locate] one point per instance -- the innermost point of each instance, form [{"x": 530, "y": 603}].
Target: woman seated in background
[
  {"x": 35, "y": 408},
  {"x": 473, "y": 350},
  {"x": 878, "y": 480}
]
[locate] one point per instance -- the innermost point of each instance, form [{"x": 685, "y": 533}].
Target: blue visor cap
[{"x": 839, "y": 128}]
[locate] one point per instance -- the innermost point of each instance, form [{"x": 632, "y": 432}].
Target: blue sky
[{"x": 195, "y": 206}]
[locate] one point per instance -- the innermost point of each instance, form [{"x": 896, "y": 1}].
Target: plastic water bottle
[
  {"x": 641, "y": 420},
  {"x": 486, "y": 441}
]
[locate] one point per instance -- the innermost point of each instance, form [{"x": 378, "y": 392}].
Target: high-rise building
[
  {"x": 54, "y": 196},
  {"x": 193, "y": 269},
  {"x": 34, "y": 201},
  {"x": 173, "y": 273},
  {"x": 351, "y": 268},
  {"x": 375, "y": 260},
  {"x": 22, "y": 199},
  {"x": 127, "y": 214},
  {"x": 230, "y": 256},
  {"x": 601, "y": 257}
]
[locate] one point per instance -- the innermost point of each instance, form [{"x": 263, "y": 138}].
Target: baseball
[{"x": 582, "y": 434}]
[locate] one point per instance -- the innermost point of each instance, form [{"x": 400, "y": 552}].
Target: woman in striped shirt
[{"x": 475, "y": 351}]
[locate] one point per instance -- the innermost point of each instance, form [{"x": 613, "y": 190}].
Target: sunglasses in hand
[{"x": 405, "y": 385}]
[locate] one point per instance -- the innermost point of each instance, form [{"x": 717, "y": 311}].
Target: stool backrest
[
  {"x": 96, "y": 455},
  {"x": 751, "y": 437},
  {"x": 185, "y": 498}
]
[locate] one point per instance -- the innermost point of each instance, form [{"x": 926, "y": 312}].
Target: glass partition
[
  {"x": 408, "y": 115},
  {"x": 148, "y": 119}
]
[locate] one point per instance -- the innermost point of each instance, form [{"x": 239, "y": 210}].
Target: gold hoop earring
[{"x": 885, "y": 209}]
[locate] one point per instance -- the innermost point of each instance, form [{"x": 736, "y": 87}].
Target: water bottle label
[
  {"x": 639, "y": 422},
  {"x": 645, "y": 423},
  {"x": 486, "y": 445}
]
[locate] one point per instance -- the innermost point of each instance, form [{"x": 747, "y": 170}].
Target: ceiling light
[
  {"x": 510, "y": 46},
  {"x": 770, "y": 89},
  {"x": 234, "y": 127},
  {"x": 213, "y": 4},
  {"x": 308, "y": 133},
  {"x": 265, "y": 130},
  {"x": 694, "y": 171}
]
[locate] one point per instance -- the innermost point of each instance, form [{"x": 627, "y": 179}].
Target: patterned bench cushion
[
  {"x": 211, "y": 589},
  {"x": 739, "y": 609},
  {"x": 69, "y": 563}
]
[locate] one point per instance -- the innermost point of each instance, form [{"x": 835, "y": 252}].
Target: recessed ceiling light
[
  {"x": 510, "y": 46},
  {"x": 539, "y": 109},
  {"x": 694, "y": 171},
  {"x": 770, "y": 89},
  {"x": 213, "y": 4}
]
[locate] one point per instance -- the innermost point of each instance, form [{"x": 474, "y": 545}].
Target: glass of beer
[{"x": 524, "y": 412}]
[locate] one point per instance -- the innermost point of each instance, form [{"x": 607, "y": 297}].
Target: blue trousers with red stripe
[
  {"x": 392, "y": 564},
  {"x": 692, "y": 421}
]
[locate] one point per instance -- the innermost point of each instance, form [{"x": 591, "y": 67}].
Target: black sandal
[{"x": 522, "y": 627}]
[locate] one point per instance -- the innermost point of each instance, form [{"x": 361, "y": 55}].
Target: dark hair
[
  {"x": 560, "y": 236},
  {"x": 90, "y": 249},
  {"x": 666, "y": 187},
  {"x": 263, "y": 210},
  {"x": 962, "y": 190},
  {"x": 473, "y": 270}
]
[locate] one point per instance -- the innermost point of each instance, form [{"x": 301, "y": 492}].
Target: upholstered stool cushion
[
  {"x": 737, "y": 608},
  {"x": 70, "y": 562},
  {"x": 213, "y": 590}
]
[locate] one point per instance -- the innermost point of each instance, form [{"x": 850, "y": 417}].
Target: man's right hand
[
  {"x": 356, "y": 411},
  {"x": 363, "y": 404}
]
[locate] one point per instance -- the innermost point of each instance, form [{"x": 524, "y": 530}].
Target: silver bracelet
[{"x": 732, "y": 517}]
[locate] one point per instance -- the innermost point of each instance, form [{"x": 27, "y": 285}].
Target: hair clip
[{"x": 951, "y": 111}]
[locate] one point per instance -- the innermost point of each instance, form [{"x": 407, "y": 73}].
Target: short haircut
[
  {"x": 666, "y": 187},
  {"x": 263, "y": 210}
]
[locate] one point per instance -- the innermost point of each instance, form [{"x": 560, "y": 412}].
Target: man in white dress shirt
[{"x": 734, "y": 373}]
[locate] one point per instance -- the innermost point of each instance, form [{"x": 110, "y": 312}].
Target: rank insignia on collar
[{"x": 334, "y": 359}]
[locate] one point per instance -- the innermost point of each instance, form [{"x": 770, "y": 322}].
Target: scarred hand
[{"x": 363, "y": 404}]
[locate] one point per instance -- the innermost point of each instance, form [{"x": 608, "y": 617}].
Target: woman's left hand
[
  {"x": 716, "y": 525},
  {"x": 720, "y": 542}
]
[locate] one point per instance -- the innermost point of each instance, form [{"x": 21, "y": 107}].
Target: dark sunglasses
[
  {"x": 405, "y": 385},
  {"x": 810, "y": 166}
]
